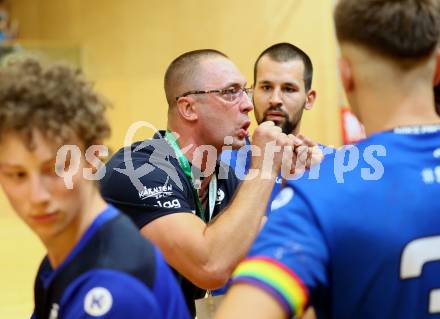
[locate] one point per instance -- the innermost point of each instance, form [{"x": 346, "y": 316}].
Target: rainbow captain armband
[{"x": 276, "y": 279}]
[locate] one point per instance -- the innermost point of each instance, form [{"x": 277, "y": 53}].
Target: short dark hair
[
  {"x": 182, "y": 69},
  {"x": 283, "y": 52},
  {"x": 405, "y": 29},
  {"x": 55, "y": 99}
]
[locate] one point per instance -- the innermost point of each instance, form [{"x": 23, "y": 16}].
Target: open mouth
[{"x": 244, "y": 130}]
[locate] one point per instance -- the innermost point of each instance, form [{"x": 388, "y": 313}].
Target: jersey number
[{"x": 416, "y": 254}]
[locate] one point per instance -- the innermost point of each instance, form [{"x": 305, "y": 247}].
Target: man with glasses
[{"x": 177, "y": 204}]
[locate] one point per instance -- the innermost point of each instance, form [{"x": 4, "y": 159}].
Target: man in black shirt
[{"x": 156, "y": 182}]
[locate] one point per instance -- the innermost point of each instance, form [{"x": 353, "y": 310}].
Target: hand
[
  {"x": 268, "y": 143},
  {"x": 311, "y": 152},
  {"x": 305, "y": 154}
]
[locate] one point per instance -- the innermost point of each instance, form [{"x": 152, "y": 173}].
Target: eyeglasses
[{"x": 230, "y": 95}]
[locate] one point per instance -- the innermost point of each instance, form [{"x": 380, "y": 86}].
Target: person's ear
[
  {"x": 436, "y": 79},
  {"x": 186, "y": 108},
  {"x": 346, "y": 73},
  {"x": 310, "y": 99}
]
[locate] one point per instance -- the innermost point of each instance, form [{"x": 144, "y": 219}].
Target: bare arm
[
  {"x": 207, "y": 254},
  {"x": 246, "y": 301}
]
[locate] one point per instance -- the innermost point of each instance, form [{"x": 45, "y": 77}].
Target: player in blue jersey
[
  {"x": 97, "y": 264},
  {"x": 367, "y": 246}
]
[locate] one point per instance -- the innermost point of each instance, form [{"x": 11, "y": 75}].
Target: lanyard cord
[{"x": 186, "y": 167}]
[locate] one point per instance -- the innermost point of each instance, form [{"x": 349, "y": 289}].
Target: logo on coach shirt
[
  {"x": 54, "y": 311},
  {"x": 156, "y": 192},
  {"x": 220, "y": 196},
  {"x": 98, "y": 302},
  {"x": 169, "y": 204},
  {"x": 282, "y": 199}
]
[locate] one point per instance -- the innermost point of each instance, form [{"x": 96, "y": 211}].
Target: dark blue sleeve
[
  {"x": 108, "y": 294},
  {"x": 167, "y": 292},
  {"x": 146, "y": 186}
]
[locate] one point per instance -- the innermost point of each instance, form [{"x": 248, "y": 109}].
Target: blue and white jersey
[
  {"x": 111, "y": 273},
  {"x": 366, "y": 247}
]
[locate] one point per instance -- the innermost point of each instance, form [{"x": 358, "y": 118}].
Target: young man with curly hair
[{"x": 97, "y": 264}]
